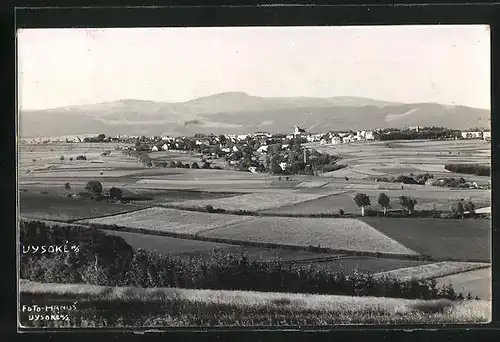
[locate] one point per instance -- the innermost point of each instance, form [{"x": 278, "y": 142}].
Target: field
[
  {"x": 187, "y": 248},
  {"x": 440, "y": 238},
  {"x": 60, "y": 207},
  {"x": 170, "y": 220},
  {"x": 175, "y": 307},
  {"x": 476, "y": 282},
  {"x": 340, "y": 234},
  {"x": 254, "y": 201},
  {"x": 392, "y": 158},
  {"x": 432, "y": 271}
]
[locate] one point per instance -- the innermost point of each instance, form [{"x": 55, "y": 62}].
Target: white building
[
  {"x": 164, "y": 147},
  {"x": 242, "y": 137},
  {"x": 323, "y": 142},
  {"x": 283, "y": 165},
  {"x": 235, "y": 149},
  {"x": 472, "y": 135},
  {"x": 226, "y": 149},
  {"x": 369, "y": 135},
  {"x": 347, "y": 139},
  {"x": 155, "y": 149},
  {"x": 487, "y": 135},
  {"x": 336, "y": 140},
  {"x": 263, "y": 149}
]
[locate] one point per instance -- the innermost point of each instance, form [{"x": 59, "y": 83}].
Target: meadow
[{"x": 101, "y": 306}]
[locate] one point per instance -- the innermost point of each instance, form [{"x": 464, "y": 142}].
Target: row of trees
[
  {"x": 362, "y": 201},
  {"x": 472, "y": 169},
  {"x": 459, "y": 208},
  {"x": 424, "y": 133}
]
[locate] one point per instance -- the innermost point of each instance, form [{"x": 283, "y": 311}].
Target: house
[
  {"x": 165, "y": 147},
  {"x": 225, "y": 149},
  {"x": 487, "y": 135},
  {"x": 242, "y": 137},
  {"x": 336, "y": 140},
  {"x": 155, "y": 148},
  {"x": 235, "y": 149},
  {"x": 347, "y": 139},
  {"x": 202, "y": 142},
  {"x": 283, "y": 165},
  {"x": 323, "y": 142},
  {"x": 284, "y": 146},
  {"x": 299, "y": 131},
  {"x": 472, "y": 135},
  {"x": 252, "y": 169},
  {"x": 430, "y": 182},
  {"x": 369, "y": 135},
  {"x": 263, "y": 149}
]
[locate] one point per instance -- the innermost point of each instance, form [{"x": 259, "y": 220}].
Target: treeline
[
  {"x": 109, "y": 260},
  {"x": 471, "y": 169},
  {"x": 424, "y": 133}
]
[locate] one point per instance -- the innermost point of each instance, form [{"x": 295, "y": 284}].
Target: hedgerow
[{"x": 108, "y": 260}]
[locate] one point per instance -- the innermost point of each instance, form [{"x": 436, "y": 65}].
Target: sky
[{"x": 443, "y": 64}]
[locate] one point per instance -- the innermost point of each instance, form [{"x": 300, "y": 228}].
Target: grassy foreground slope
[{"x": 102, "y": 306}]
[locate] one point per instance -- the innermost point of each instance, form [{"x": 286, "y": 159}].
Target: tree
[
  {"x": 470, "y": 207},
  {"x": 95, "y": 187},
  {"x": 206, "y": 165},
  {"x": 458, "y": 208},
  {"x": 61, "y": 158},
  {"x": 115, "y": 193},
  {"x": 172, "y": 164},
  {"x": 408, "y": 203},
  {"x": 274, "y": 166},
  {"x": 179, "y": 164},
  {"x": 101, "y": 137},
  {"x": 67, "y": 187},
  {"x": 222, "y": 139},
  {"x": 70, "y": 158},
  {"x": 383, "y": 201},
  {"x": 362, "y": 200},
  {"x": 195, "y": 165}
]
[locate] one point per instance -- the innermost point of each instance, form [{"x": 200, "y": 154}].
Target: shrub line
[{"x": 240, "y": 212}]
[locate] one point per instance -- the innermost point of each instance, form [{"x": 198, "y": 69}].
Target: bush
[
  {"x": 115, "y": 193},
  {"x": 209, "y": 208},
  {"x": 179, "y": 164},
  {"x": 331, "y": 167},
  {"x": 195, "y": 165},
  {"x": 341, "y": 211},
  {"x": 94, "y": 187},
  {"x": 206, "y": 165},
  {"x": 172, "y": 165},
  {"x": 81, "y": 157}
]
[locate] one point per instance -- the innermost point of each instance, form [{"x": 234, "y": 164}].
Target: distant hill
[{"x": 236, "y": 112}]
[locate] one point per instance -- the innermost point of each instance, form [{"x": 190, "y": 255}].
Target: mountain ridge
[{"x": 239, "y": 112}]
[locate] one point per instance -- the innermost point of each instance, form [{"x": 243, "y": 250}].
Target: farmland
[
  {"x": 60, "y": 207},
  {"x": 463, "y": 239},
  {"x": 340, "y": 234},
  {"x": 169, "y": 220},
  {"x": 43, "y": 196}
]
